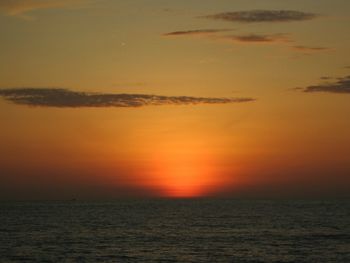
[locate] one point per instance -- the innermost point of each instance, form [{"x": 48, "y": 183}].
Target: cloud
[
  {"x": 198, "y": 32},
  {"x": 64, "y": 98},
  {"x": 20, "y": 7},
  {"x": 214, "y": 34},
  {"x": 308, "y": 49},
  {"x": 340, "y": 86},
  {"x": 267, "y": 39},
  {"x": 296, "y": 88},
  {"x": 258, "y": 38},
  {"x": 257, "y": 16}
]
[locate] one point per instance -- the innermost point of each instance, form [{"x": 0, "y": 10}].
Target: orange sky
[{"x": 106, "y": 99}]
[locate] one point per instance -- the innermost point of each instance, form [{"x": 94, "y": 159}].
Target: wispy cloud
[
  {"x": 248, "y": 39},
  {"x": 257, "y": 16},
  {"x": 197, "y": 32},
  {"x": 342, "y": 85},
  {"x": 20, "y": 7},
  {"x": 326, "y": 78},
  {"x": 258, "y": 38},
  {"x": 251, "y": 16},
  {"x": 309, "y": 49},
  {"x": 56, "y": 97},
  {"x": 215, "y": 34}
]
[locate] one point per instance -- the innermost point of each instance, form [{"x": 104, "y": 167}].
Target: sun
[
  {"x": 182, "y": 179},
  {"x": 184, "y": 175}
]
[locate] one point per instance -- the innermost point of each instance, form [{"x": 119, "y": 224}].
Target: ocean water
[{"x": 202, "y": 230}]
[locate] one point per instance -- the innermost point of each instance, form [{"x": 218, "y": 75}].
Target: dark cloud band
[
  {"x": 254, "y": 16},
  {"x": 340, "y": 86},
  {"x": 258, "y": 38},
  {"x": 55, "y": 97},
  {"x": 308, "y": 49},
  {"x": 197, "y": 32}
]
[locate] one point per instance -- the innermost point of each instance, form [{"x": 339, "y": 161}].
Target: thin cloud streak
[
  {"x": 197, "y": 32},
  {"x": 258, "y": 38},
  {"x": 64, "y": 98},
  {"x": 248, "y": 39},
  {"x": 214, "y": 35},
  {"x": 260, "y": 16},
  {"x": 308, "y": 49},
  {"x": 20, "y": 7},
  {"x": 342, "y": 86}
]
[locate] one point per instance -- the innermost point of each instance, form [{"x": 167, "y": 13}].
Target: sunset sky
[{"x": 163, "y": 98}]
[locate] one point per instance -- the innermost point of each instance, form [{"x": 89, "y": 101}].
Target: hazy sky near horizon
[{"x": 246, "y": 98}]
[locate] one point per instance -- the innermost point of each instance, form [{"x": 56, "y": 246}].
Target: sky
[{"x": 105, "y": 99}]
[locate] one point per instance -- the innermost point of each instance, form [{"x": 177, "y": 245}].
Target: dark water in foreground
[{"x": 175, "y": 231}]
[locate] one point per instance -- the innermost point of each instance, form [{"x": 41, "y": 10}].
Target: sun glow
[{"x": 184, "y": 174}]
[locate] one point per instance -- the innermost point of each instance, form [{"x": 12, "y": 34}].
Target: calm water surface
[{"x": 175, "y": 231}]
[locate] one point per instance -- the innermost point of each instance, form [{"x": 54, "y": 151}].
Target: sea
[{"x": 175, "y": 230}]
